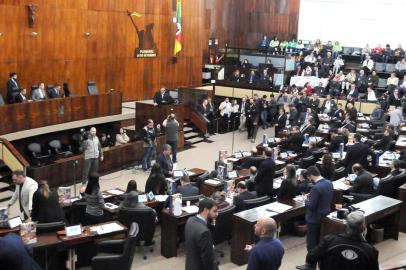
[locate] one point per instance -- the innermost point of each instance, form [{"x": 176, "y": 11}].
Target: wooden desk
[
  {"x": 207, "y": 189},
  {"x": 146, "y": 110},
  {"x": 170, "y": 225},
  {"x": 380, "y": 208},
  {"x": 402, "y": 197},
  {"x": 36, "y": 114},
  {"x": 401, "y": 143},
  {"x": 243, "y": 227}
]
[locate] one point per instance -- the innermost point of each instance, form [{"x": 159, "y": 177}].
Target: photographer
[
  {"x": 171, "y": 133},
  {"x": 149, "y": 137},
  {"x": 92, "y": 152},
  {"x": 122, "y": 137}
]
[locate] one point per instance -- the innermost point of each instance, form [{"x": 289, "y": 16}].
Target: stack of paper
[
  {"x": 192, "y": 209},
  {"x": 212, "y": 182},
  {"x": 110, "y": 206},
  {"x": 161, "y": 198},
  {"x": 115, "y": 191},
  {"x": 340, "y": 185},
  {"x": 107, "y": 228}
]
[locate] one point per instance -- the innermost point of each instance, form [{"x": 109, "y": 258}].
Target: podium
[{"x": 145, "y": 110}]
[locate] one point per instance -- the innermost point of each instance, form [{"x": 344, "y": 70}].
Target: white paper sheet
[
  {"x": 192, "y": 209},
  {"x": 278, "y": 207},
  {"x": 115, "y": 191}
]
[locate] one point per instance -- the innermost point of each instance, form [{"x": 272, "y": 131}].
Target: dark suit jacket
[
  {"x": 20, "y": 98},
  {"x": 319, "y": 200},
  {"x": 264, "y": 178},
  {"x": 159, "y": 100},
  {"x": 383, "y": 144},
  {"x": 12, "y": 90},
  {"x": 199, "y": 246},
  {"x": 333, "y": 106},
  {"x": 188, "y": 190},
  {"x": 294, "y": 143},
  {"x": 54, "y": 94},
  {"x": 15, "y": 254},
  {"x": 165, "y": 163},
  {"x": 281, "y": 120},
  {"x": 353, "y": 114},
  {"x": 358, "y": 153},
  {"x": 201, "y": 109},
  {"x": 335, "y": 144},
  {"x": 286, "y": 191},
  {"x": 239, "y": 199},
  {"x": 310, "y": 129},
  {"x": 45, "y": 210},
  {"x": 363, "y": 184}
]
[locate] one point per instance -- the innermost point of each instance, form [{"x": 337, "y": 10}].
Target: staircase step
[
  {"x": 194, "y": 140},
  {"x": 187, "y": 129},
  {"x": 5, "y": 195},
  {"x": 191, "y": 135}
]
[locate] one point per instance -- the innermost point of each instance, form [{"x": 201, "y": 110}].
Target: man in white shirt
[
  {"x": 225, "y": 111},
  {"x": 24, "y": 191},
  {"x": 371, "y": 94},
  {"x": 242, "y": 114}
]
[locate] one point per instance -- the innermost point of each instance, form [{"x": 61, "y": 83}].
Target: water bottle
[
  {"x": 341, "y": 149},
  {"x": 265, "y": 139},
  {"x": 177, "y": 207},
  {"x": 306, "y": 138}
]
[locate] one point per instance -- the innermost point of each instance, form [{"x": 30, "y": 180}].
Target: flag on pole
[
  {"x": 136, "y": 14},
  {"x": 178, "y": 38}
]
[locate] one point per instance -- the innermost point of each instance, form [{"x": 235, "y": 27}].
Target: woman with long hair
[
  {"x": 45, "y": 205},
  {"x": 156, "y": 181},
  {"x": 288, "y": 188},
  {"x": 95, "y": 202},
  {"x": 327, "y": 166}
]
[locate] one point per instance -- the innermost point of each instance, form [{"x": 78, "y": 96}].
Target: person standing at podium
[{"x": 162, "y": 97}]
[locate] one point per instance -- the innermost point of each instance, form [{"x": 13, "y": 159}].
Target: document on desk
[
  {"x": 212, "y": 182},
  {"x": 110, "y": 206},
  {"x": 279, "y": 162},
  {"x": 115, "y": 191},
  {"x": 107, "y": 228},
  {"x": 278, "y": 207},
  {"x": 190, "y": 173},
  {"x": 340, "y": 185},
  {"x": 161, "y": 198},
  {"x": 106, "y": 195},
  {"x": 232, "y": 159},
  {"x": 192, "y": 209}
]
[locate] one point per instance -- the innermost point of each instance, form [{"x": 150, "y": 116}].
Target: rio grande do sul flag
[{"x": 178, "y": 37}]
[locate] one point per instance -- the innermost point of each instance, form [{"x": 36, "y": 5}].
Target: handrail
[
  {"x": 12, "y": 157},
  {"x": 199, "y": 120}
]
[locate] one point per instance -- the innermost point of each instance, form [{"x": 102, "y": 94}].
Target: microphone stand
[{"x": 75, "y": 162}]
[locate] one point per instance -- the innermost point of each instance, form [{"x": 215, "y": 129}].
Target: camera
[{"x": 85, "y": 134}]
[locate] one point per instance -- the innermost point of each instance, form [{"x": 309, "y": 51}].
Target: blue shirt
[
  {"x": 318, "y": 204},
  {"x": 266, "y": 254}
]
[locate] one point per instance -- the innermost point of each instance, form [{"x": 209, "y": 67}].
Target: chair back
[
  {"x": 144, "y": 217},
  {"x": 34, "y": 148},
  {"x": 345, "y": 256},
  {"x": 379, "y": 67},
  {"x": 50, "y": 227},
  {"x": 66, "y": 89},
  {"x": 389, "y": 68},
  {"x": 201, "y": 178},
  {"x": 192, "y": 199},
  {"x": 385, "y": 187},
  {"x": 55, "y": 144},
  {"x": 92, "y": 88},
  {"x": 252, "y": 203},
  {"x": 339, "y": 173},
  {"x": 130, "y": 246},
  {"x": 222, "y": 231},
  {"x": 78, "y": 212},
  {"x": 34, "y": 86},
  {"x": 398, "y": 181}
]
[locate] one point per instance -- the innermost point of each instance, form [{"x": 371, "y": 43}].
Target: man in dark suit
[
  {"x": 14, "y": 254},
  {"x": 294, "y": 142},
  {"x": 395, "y": 167},
  {"x": 164, "y": 160},
  {"x": 55, "y": 92},
  {"x": 162, "y": 97},
  {"x": 264, "y": 178},
  {"x": 348, "y": 124},
  {"x": 334, "y": 144},
  {"x": 317, "y": 206},
  {"x": 13, "y": 88},
  {"x": 384, "y": 144},
  {"x": 364, "y": 183},
  {"x": 357, "y": 153},
  {"x": 243, "y": 194},
  {"x": 187, "y": 189},
  {"x": 338, "y": 115},
  {"x": 307, "y": 128},
  {"x": 22, "y": 96},
  {"x": 251, "y": 113},
  {"x": 203, "y": 108},
  {"x": 198, "y": 240}
]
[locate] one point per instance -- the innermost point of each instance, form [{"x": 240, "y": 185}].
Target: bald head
[
  {"x": 355, "y": 222},
  {"x": 265, "y": 227}
]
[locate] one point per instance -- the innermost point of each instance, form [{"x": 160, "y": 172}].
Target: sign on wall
[{"x": 146, "y": 45}]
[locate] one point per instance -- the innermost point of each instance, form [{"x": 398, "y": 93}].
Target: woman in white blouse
[
  {"x": 393, "y": 80},
  {"x": 122, "y": 137}
]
